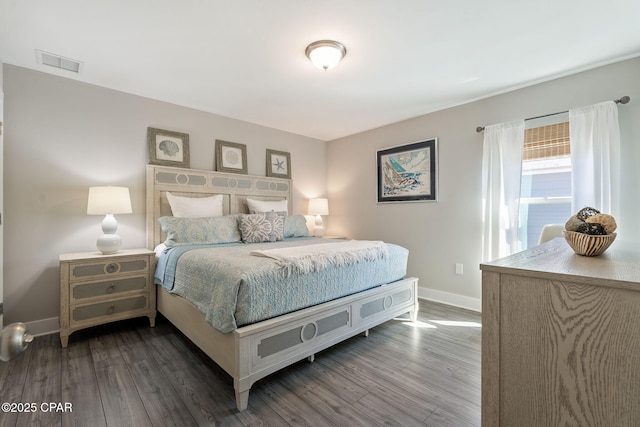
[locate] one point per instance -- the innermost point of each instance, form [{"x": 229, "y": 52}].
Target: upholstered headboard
[{"x": 235, "y": 189}]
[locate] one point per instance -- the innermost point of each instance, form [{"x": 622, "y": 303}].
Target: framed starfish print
[{"x": 278, "y": 164}]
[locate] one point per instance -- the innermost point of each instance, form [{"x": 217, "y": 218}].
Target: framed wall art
[
  {"x": 278, "y": 164},
  {"x": 231, "y": 157},
  {"x": 408, "y": 173},
  {"x": 168, "y": 148}
]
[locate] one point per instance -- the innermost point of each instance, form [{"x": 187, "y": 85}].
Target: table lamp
[
  {"x": 108, "y": 201},
  {"x": 318, "y": 207}
]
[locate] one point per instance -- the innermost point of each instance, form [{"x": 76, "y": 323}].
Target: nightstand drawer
[
  {"x": 111, "y": 287},
  {"x": 108, "y": 268},
  {"x": 108, "y": 308}
]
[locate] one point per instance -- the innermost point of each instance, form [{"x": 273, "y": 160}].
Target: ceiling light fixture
[{"x": 325, "y": 54}]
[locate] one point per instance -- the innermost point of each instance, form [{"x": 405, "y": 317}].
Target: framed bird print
[{"x": 408, "y": 173}]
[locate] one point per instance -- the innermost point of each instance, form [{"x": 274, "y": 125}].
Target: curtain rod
[{"x": 624, "y": 100}]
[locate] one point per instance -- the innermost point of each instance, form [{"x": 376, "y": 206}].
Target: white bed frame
[{"x": 252, "y": 352}]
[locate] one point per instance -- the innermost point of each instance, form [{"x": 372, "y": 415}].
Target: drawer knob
[
  {"x": 111, "y": 309},
  {"x": 111, "y": 288},
  {"x": 112, "y": 268}
]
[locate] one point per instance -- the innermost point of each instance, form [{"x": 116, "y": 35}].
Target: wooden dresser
[{"x": 561, "y": 337}]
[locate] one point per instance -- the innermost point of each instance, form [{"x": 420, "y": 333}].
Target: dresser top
[
  {"x": 98, "y": 255},
  {"x": 618, "y": 266}
]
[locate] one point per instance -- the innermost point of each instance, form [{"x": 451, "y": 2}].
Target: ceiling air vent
[{"x": 58, "y": 61}]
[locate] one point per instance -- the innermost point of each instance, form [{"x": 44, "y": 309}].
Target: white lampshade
[
  {"x": 318, "y": 207},
  {"x": 109, "y": 201},
  {"x": 325, "y": 54}
]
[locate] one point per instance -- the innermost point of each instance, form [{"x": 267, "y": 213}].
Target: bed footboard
[{"x": 255, "y": 351}]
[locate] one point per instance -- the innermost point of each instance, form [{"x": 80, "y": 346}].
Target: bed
[{"x": 251, "y": 351}]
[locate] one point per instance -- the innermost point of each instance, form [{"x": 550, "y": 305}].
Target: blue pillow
[
  {"x": 199, "y": 231},
  {"x": 295, "y": 226}
]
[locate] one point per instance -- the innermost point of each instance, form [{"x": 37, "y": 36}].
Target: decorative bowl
[{"x": 588, "y": 244}]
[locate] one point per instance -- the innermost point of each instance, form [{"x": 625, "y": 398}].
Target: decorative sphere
[
  {"x": 587, "y": 212},
  {"x": 592, "y": 228},
  {"x": 573, "y": 223},
  {"x": 607, "y": 221}
]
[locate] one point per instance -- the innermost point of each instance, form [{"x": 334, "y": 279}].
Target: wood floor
[{"x": 128, "y": 374}]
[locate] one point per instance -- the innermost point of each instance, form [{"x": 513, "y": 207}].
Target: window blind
[{"x": 546, "y": 141}]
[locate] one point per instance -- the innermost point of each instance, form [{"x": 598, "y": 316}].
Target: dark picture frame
[
  {"x": 278, "y": 164},
  {"x": 408, "y": 173},
  {"x": 231, "y": 157},
  {"x": 168, "y": 148}
]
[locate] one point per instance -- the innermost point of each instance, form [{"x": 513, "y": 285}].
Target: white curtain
[
  {"x": 595, "y": 157},
  {"x": 501, "y": 176}
]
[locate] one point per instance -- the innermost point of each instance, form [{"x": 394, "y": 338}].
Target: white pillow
[
  {"x": 256, "y": 206},
  {"x": 195, "y": 207}
]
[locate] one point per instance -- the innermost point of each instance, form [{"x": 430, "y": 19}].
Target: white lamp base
[
  {"x": 318, "y": 230},
  {"x": 109, "y": 242}
]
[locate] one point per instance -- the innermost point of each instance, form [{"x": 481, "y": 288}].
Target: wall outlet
[{"x": 459, "y": 269}]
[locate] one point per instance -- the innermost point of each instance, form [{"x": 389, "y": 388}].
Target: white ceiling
[{"x": 245, "y": 59}]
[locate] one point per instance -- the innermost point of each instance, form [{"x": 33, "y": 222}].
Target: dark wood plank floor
[{"x": 127, "y": 374}]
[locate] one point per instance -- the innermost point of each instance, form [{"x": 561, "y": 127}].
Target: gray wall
[
  {"x": 63, "y": 136},
  {"x": 441, "y": 234}
]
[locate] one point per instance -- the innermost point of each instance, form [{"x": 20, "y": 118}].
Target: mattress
[{"x": 233, "y": 288}]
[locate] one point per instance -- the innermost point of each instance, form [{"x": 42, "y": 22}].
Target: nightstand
[{"x": 97, "y": 289}]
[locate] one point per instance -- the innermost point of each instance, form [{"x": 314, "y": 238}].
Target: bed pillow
[
  {"x": 295, "y": 226},
  {"x": 195, "y": 207},
  {"x": 261, "y": 227},
  {"x": 199, "y": 231},
  {"x": 256, "y": 206}
]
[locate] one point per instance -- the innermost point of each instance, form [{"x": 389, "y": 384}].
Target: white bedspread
[{"x": 317, "y": 257}]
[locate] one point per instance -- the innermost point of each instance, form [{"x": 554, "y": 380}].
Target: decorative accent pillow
[
  {"x": 256, "y": 206},
  {"x": 278, "y": 224},
  {"x": 295, "y": 226},
  {"x": 199, "y": 231},
  {"x": 261, "y": 227},
  {"x": 195, "y": 207}
]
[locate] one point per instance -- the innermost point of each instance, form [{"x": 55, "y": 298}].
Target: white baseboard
[
  {"x": 448, "y": 298},
  {"x": 43, "y": 327}
]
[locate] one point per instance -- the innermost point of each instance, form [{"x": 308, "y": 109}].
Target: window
[{"x": 545, "y": 194}]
